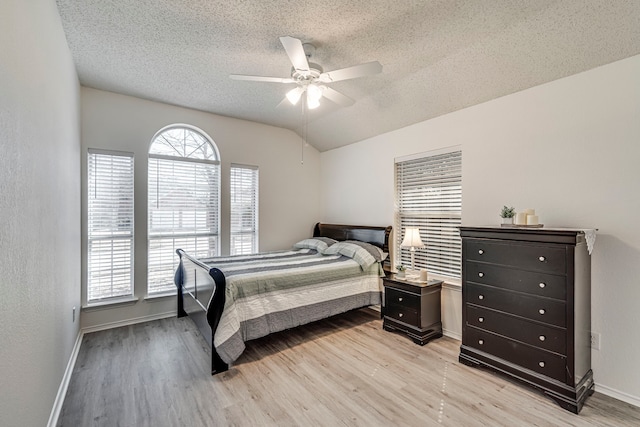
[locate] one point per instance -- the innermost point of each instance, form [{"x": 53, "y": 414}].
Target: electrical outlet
[
  {"x": 595, "y": 340},
  {"x": 73, "y": 315}
]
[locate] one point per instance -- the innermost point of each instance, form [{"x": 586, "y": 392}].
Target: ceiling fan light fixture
[
  {"x": 312, "y": 103},
  {"x": 294, "y": 95},
  {"x": 314, "y": 93}
]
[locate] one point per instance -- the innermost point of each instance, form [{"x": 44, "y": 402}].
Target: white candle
[
  {"x": 532, "y": 219},
  {"x": 521, "y": 218},
  {"x": 423, "y": 275},
  {"x": 530, "y": 211}
]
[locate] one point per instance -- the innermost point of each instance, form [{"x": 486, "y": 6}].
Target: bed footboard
[{"x": 201, "y": 296}]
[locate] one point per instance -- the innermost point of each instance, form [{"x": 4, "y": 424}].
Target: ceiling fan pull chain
[{"x": 304, "y": 130}]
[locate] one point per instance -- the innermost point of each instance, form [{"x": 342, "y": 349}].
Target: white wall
[
  {"x": 570, "y": 149},
  {"x": 289, "y": 191},
  {"x": 39, "y": 209}
]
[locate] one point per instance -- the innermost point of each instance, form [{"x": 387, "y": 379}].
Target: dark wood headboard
[{"x": 378, "y": 236}]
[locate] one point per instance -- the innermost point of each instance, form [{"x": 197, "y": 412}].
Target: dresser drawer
[
  {"x": 548, "y": 258},
  {"x": 545, "y": 310},
  {"x": 534, "y": 359},
  {"x": 531, "y": 282},
  {"x": 538, "y": 335},
  {"x": 401, "y": 298}
]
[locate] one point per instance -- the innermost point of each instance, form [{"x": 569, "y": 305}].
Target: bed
[{"x": 239, "y": 298}]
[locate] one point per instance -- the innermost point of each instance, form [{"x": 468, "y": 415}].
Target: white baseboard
[
  {"x": 625, "y": 397},
  {"x": 64, "y": 384},
  {"x": 128, "y": 322},
  {"x": 451, "y": 334}
]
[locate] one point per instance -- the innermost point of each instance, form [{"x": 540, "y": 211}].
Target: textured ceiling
[{"x": 438, "y": 55}]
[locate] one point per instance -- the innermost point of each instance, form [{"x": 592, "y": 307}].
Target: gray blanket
[{"x": 274, "y": 291}]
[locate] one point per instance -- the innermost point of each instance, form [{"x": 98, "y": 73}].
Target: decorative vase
[
  {"x": 507, "y": 221},
  {"x": 400, "y": 274}
]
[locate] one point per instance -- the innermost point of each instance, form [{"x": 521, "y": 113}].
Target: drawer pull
[
  {"x": 542, "y": 285},
  {"x": 480, "y": 319},
  {"x": 480, "y": 342},
  {"x": 541, "y": 259},
  {"x": 480, "y": 296},
  {"x": 542, "y": 337},
  {"x": 541, "y": 364},
  {"x": 480, "y": 251},
  {"x": 481, "y": 274},
  {"x": 542, "y": 311},
  {"x": 400, "y": 299},
  {"x": 400, "y": 315}
]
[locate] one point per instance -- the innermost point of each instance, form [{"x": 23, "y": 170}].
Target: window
[
  {"x": 184, "y": 199},
  {"x": 244, "y": 209},
  {"x": 429, "y": 196},
  {"x": 109, "y": 225}
]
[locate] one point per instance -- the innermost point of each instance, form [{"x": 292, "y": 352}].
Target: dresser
[
  {"x": 412, "y": 308},
  {"x": 526, "y": 295}
]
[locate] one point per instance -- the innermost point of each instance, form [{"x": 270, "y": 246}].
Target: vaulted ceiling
[{"x": 438, "y": 56}]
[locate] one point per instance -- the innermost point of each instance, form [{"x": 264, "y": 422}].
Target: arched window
[{"x": 184, "y": 201}]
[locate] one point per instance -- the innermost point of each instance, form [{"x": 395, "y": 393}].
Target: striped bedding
[{"x": 274, "y": 291}]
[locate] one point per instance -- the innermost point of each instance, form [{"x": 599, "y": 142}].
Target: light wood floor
[{"x": 341, "y": 371}]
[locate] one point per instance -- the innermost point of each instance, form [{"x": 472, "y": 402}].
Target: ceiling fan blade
[
  {"x": 296, "y": 53},
  {"x": 337, "y": 97},
  {"x": 366, "y": 69},
  {"x": 262, "y": 78}
]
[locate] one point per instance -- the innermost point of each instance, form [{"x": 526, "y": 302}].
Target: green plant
[
  {"x": 400, "y": 267},
  {"x": 507, "y": 212}
]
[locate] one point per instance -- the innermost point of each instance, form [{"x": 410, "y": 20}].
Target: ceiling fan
[{"x": 310, "y": 78}]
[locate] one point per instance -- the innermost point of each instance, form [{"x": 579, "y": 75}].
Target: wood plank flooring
[{"x": 343, "y": 371}]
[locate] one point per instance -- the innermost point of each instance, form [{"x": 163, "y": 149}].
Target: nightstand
[{"x": 412, "y": 308}]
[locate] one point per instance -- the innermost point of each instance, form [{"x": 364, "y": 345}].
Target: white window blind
[
  {"x": 244, "y": 209},
  {"x": 184, "y": 199},
  {"x": 109, "y": 225},
  {"x": 429, "y": 196}
]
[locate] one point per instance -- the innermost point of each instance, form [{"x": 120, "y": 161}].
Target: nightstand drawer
[
  {"x": 546, "y": 258},
  {"x": 537, "y": 335},
  {"x": 401, "y": 298},
  {"x": 531, "y": 282},
  {"x": 403, "y": 314},
  {"x": 545, "y": 310},
  {"x": 534, "y": 359}
]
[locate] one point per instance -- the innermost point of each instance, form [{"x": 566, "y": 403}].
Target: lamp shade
[
  {"x": 294, "y": 95},
  {"x": 412, "y": 238},
  {"x": 314, "y": 93},
  {"x": 312, "y": 103}
]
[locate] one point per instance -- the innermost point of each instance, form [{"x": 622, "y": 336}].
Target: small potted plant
[
  {"x": 507, "y": 214},
  {"x": 401, "y": 270}
]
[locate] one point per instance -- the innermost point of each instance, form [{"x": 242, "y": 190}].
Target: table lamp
[{"x": 412, "y": 240}]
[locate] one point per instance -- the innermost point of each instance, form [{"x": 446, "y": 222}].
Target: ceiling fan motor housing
[{"x": 309, "y": 76}]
